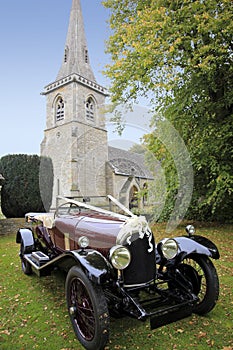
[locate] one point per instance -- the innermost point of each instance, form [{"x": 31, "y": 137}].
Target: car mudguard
[
  {"x": 93, "y": 263},
  {"x": 207, "y": 243},
  {"x": 198, "y": 245},
  {"x": 25, "y": 236}
]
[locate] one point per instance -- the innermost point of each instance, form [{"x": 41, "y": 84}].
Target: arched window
[
  {"x": 60, "y": 109},
  {"x": 90, "y": 108},
  {"x": 133, "y": 197}
]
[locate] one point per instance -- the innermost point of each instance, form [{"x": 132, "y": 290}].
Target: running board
[
  {"x": 41, "y": 263},
  {"x": 164, "y": 317}
]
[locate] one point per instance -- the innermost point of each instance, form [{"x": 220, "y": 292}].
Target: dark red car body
[{"x": 114, "y": 265}]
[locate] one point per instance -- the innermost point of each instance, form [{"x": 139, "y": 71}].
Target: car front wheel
[
  {"x": 88, "y": 310},
  {"x": 200, "y": 271}
]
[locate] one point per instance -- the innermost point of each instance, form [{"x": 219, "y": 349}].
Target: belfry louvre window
[
  {"x": 86, "y": 55},
  {"x": 90, "y": 108},
  {"x": 60, "y": 109},
  {"x": 66, "y": 54}
]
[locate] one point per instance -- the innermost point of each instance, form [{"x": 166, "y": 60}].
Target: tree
[
  {"x": 180, "y": 55},
  {"x": 137, "y": 148},
  {"x": 28, "y": 184}
]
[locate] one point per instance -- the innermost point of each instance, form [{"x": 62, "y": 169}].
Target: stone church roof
[{"x": 128, "y": 163}]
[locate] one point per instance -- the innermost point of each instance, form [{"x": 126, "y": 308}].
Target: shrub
[{"x": 24, "y": 176}]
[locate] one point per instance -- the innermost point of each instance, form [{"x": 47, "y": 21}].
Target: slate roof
[{"x": 128, "y": 163}]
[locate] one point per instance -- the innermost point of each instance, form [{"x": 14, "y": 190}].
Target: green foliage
[
  {"x": 137, "y": 148},
  {"x": 46, "y": 181},
  {"x": 179, "y": 54},
  {"x": 27, "y": 186},
  {"x": 157, "y": 44}
]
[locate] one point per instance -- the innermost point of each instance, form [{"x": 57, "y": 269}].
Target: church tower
[{"x": 75, "y": 137}]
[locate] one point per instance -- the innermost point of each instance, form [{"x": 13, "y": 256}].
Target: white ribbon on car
[
  {"x": 135, "y": 224},
  {"x": 46, "y": 218}
]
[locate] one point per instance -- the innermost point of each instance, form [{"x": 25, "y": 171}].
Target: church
[{"x": 75, "y": 137}]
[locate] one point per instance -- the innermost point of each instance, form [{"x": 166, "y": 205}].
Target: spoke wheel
[
  {"x": 88, "y": 310},
  {"x": 84, "y": 312},
  {"x": 200, "y": 271}
]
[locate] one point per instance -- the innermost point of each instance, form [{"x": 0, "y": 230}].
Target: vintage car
[{"x": 114, "y": 267}]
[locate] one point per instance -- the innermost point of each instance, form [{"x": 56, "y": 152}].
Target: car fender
[
  {"x": 208, "y": 244},
  {"x": 197, "y": 245},
  {"x": 25, "y": 236},
  {"x": 93, "y": 263}
]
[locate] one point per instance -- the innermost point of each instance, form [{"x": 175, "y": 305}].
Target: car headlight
[
  {"x": 168, "y": 247},
  {"x": 83, "y": 242},
  {"x": 120, "y": 257},
  {"x": 190, "y": 230}
]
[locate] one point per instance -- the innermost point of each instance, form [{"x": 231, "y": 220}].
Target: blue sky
[{"x": 32, "y": 39}]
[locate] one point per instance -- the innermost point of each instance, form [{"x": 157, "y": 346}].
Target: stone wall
[{"x": 11, "y": 226}]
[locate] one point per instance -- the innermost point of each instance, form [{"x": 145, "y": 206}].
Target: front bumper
[{"x": 161, "y": 307}]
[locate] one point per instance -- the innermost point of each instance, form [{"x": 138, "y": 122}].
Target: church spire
[{"x": 76, "y": 58}]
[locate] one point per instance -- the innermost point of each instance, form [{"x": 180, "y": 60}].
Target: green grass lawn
[{"x": 34, "y": 316}]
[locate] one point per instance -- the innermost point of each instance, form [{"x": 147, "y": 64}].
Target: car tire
[
  {"x": 200, "y": 271},
  {"x": 88, "y": 310}
]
